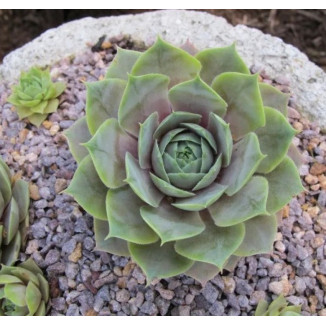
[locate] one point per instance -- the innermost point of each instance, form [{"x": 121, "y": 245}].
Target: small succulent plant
[
  {"x": 14, "y": 219},
  {"x": 182, "y": 160},
  {"x": 23, "y": 290},
  {"x": 35, "y": 96},
  {"x": 278, "y": 307}
]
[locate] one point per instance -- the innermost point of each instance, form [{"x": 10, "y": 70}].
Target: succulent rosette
[
  {"x": 23, "y": 290},
  {"x": 278, "y": 307},
  {"x": 14, "y": 218},
  {"x": 35, "y": 96},
  {"x": 182, "y": 160}
]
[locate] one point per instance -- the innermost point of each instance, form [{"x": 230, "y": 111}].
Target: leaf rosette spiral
[{"x": 182, "y": 160}]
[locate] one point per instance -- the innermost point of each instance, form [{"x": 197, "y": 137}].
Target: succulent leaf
[
  {"x": 122, "y": 64},
  {"x": 274, "y": 140},
  {"x": 214, "y": 245},
  {"x": 164, "y": 58},
  {"x": 125, "y": 220},
  {"x": 197, "y": 97},
  {"x": 284, "y": 183},
  {"x": 274, "y": 98},
  {"x": 109, "y": 156},
  {"x": 159, "y": 261},
  {"x": 76, "y": 135},
  {"x": 112, "y": 245},
  {"x": 143, "y": 95},
  {"x": 102, "y": 101},
  {"x": 245, "y": 111},
  {"x": 250, "y": 201},
  {"x": 88, "y": 189},
  {"x": 171, "y": 223},
  {"x": 219, "y": 60},
  {"x": 246, "y": 157},
  {"x": 260, "y": 236},
  {"x": 202, "y": 272}
]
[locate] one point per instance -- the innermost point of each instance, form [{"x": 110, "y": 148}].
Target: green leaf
[
  {"x": 261, "y": 308},
  {"x": 44, "y": 287},
  {"x": 7, "y": 279},
  {"x": 36, "y": 118},
  {"x": 166, "y": 139},
  {"x": 274, "y": 98},
  {"x": 76, "y": 135},
  {"x": 245, "y": 111},
  {"x": 5, "y": 184},
  {"x": 41, "y": 311},
  {"x": 202, "y": 199},
  {"x": 141, "y": 183},
  {"x": 16, "y": 294},
  {"x": 10, "y": 221},
  {"x": 122, "y": 63},
  {"x": 170, "y": 164},
  {"x": 202, "y": 272},
  {"x": 159, "y": 261},
  {"x": 33, "y": 298},
  {"x": 52, "y": 106},
  {"x": 284, "y": 183},
  {"x": 158, "y": 164},
  {"x": 276, "y": 306},
  {"x": 114, "y": 246},
  {"x": 146, "y": 140},
  {"x": 260, "y": 236},
  {"x": 163, "y": 58},
  {"x": 222, "y": 136},
  {"x": 40, "y": 107},
  {"x": 274, "y": 140},
  {"x": 231, "y": 263},
  {"x": 246, "y": 157},
  {"x": 102, "y": 101},
  {"x": 185, "y": 181},
  {"x": 202, "y": 132},
  {"x": 250, "y": 201},
  {"x": 31, "y": 266},
  {"x": 172, "y": 121},
  {"x": 21, "y": 194},
  {"x": 23, "y": 112},
  {"x": 88, "y": 190},
  {"x": 59, "y": 88},
  {"x": 295, "y": 155},
  {"x": 210, "y": 176},
  {"x": 171, "y": 223},
  {"x": 214, "y": 245},
  {"x": 197, "y": 97},
  {"x": 125, "y": 221},
  {"x": 143, "y": 95},
  {"x": 207, "y": 156},
  {"x": 168, "y": 189},
  {"x": 218, "y": 60},
  {"x": 10, "y": 252},
  {"x": 108, "y": 148}
]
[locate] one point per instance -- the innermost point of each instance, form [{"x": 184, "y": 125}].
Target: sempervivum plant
[
  {"x": 35, "y": 96},
  {"x": 14, "y": 219},
  {"x": 23, "y": 290},
  {"x": 182, "y": 160},
  {"x": 278, "y": 307}
]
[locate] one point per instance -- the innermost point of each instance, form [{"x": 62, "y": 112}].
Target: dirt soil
[{"x": 305, "y": 29}]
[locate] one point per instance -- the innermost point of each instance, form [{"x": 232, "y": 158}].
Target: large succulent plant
[
  {"x": 23, "y": 290},
  {"x": 35, "y": 96},
  {"x": 14, "y": 219},
  {"x": 278, "y": 307},
  {"x": 182, "y": 160}
]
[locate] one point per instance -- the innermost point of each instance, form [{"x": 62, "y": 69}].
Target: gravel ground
[{"x": 87, "y": 282}]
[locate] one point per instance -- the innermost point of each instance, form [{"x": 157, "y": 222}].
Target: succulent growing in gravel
[
  {"x": 182, "y": 160},
  {"x": 35, "y": 96},
  {"x": 23, "y": 290},
  {"x": 278, "y": 307},
  {"x": 14, "y": 202}
]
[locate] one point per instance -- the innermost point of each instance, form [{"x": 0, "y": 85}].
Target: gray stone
[
  {"x": 210, "y": 293},
  {"x": 52, "y": 257},
  {"x": 69, "y": 246},
  {"x": 242, "y": 287},
  {"x": 307, "y": 81},
  {"x": 71, "y": 270},
  {"x": 73, "y": 310},
  {"x": 122, "y": 295},
  {"x": 184, "y": 310},
  {"x": 217, "y": 309},
  {"x": 162, "y": 305},
  {"x": 149, "y": 308},
  {"x": 58, "y": 304}
]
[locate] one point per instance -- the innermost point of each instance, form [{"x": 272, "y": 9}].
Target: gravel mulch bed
[{"x": 87, "y": 282}]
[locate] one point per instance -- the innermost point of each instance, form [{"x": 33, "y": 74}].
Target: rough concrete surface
[{"x": 280, "y": 60}]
